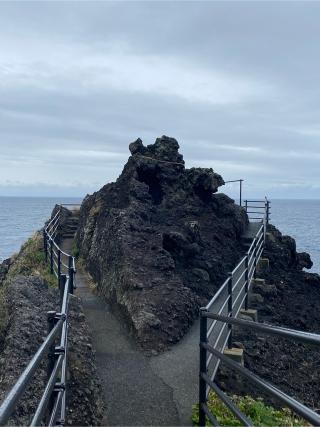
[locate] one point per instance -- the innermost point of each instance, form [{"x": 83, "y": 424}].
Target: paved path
[{"x": 139, "y": 390}]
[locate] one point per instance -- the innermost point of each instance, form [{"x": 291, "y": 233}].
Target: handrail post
[
  {"x": 230, "y": 303},
  {"x": 240, "y": 180},
  {"x": 246, "y": 275},
  {"x": 59, "y": 266},
  {"x": 265, "y": 222},
  {"x": 268, "y": 211},
  {"x": 246, "y": 204},
  {"x": 62, "y": 283},
  {"x": 71, "y": 274},
  {"x": 45, "y": 245},
  {"x": 51, "y": 256},
  {"x": 255, "y": 259},
  {"x": 203, "y": 366},
  {"x": 51, "y": 321}
]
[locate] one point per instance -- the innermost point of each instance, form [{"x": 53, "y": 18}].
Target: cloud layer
[{"x": 234, "y": 82}]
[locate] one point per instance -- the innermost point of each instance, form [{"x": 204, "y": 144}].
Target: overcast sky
[{"x": 236, "y": 83}]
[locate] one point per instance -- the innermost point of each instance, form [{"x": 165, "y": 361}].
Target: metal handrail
[
  {"x": 300, "y": 336},
  {"x": 53, "y": 398},
  {"x": 208, "y": 351},
  {"x": 55, "y": 216},
  {"x": 228, "y": 402},
  {"x": 264, "y": 205},
  {"x": 238, "y": 265},
  {"x": 12, "y": 398},
  {"x": 294, "y": 334},
  {"x": 217, "y": 294},
  {"x": 45, "y": 399},
  {"x": 234, "y": 292},
  {"x": 219, "y": 312},
  {"x": 240, "y": 188}
]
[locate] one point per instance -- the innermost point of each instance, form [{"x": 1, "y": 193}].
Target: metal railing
[
  {"x": 51, "y": 408},
  {"x": 234, "y": 293},
  {"x": 60, "y": 262},
  {"x": 257, "y": 210},
  {"x": 205, "y": 381},
  {"x": 240, "y": 187},
  {"x": 220, "y": 314}
]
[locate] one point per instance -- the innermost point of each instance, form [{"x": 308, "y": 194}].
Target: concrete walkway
[{"x": 139, "y": 390}]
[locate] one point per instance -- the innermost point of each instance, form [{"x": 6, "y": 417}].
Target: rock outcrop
[
  {"x": 289, "y": 298},
  {"x": 160, "y": 240},
  {"x": 291, "y": 294},
  {"x": 25, "y": 298}
]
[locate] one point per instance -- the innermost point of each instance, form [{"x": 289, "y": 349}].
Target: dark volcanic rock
[
  {"x": 295, "y": 292},
  {"x": 159, "y": 242},
  {"x": 4, "y": 268},
  {"x": 289, "y": 298},
  {"x": 28, "y": 299}
]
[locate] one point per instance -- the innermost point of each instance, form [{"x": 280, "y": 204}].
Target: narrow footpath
[{"x": 139, "y": 390}]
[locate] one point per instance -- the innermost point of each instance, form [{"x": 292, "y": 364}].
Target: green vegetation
[
  {"x": 30, "y": 261},
  {"x": 255, "y": 409},
  {"x": 3, "y": 315},
  {"x": 75, "y": 250}
]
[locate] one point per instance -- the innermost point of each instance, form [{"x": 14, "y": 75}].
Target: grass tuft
[
  {"x": 256, "y": 410},
  {"x": 75, "y": 250},
  {"x": 31, "y": 261}
]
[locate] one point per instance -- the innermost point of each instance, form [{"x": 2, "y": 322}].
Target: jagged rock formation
[
  {"x": 4, "y": 268},
  {"x": 160, "y": 240},
  {"x": 291, "y": 294}
]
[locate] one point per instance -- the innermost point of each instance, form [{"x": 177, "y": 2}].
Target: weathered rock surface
[
  {"x": 289, "y": 298},
  {"x": 159, "y": 240},
  {"x": 26, "y": 300},
  {"x": 4, "y": 268}
]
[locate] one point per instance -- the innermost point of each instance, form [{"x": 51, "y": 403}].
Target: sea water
[
  {"x": 20, "y": 217},
  {"x": 300, "y": 219}
]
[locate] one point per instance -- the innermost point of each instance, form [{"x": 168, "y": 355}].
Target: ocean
[
  {"x": 20, "y": 217},
  {"x": 300, "y": 219}
]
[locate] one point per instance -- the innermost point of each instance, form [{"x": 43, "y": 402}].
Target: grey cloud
[{"x": 221, "y": 77}]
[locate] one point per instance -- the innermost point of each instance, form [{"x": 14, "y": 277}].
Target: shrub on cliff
[{"x": 30, "y": 261}]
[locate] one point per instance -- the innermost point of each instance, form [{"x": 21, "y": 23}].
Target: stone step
[
  {"x": 68, "y": 235},
  {"x": 263, "y": 265},
  {"x": 71, "y": 227},
  {"x": 235, "y": 354},
  {"x": 250, "y": 314},
  {"x": 73, "y": 221},
  {"x": 258, "y": 281}
]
